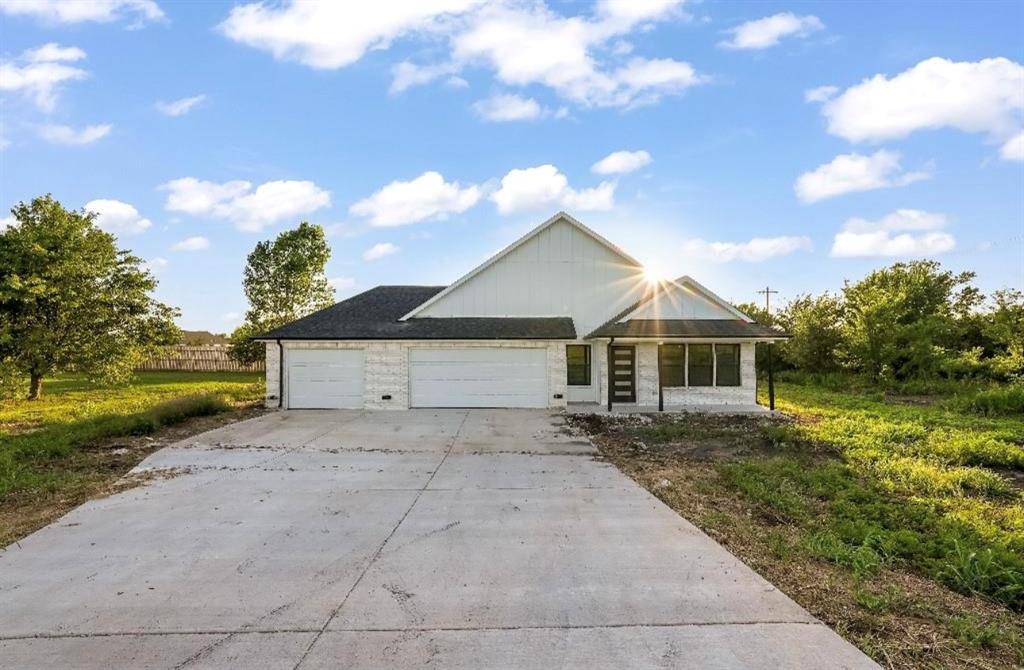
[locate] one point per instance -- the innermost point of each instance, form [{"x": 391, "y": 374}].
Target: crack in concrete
[
  {"x": 417, "y": 629},
  {"x": 383, "y": 544},
  {"x": 205, "y": 651}
]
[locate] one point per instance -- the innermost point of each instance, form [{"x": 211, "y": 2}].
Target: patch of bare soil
[
  {"x": 99, "y": 471},
  {"x": 899, "y": 618}
]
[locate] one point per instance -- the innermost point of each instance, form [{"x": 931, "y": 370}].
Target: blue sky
[{"x": 442, "y": 131}]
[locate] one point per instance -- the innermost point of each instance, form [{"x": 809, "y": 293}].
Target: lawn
[
  {"x": 79, "y": 438},
  {"x": 898, "y": 520}
]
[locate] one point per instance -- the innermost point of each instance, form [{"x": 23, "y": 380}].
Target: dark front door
[{"x": 623, "y": 374}]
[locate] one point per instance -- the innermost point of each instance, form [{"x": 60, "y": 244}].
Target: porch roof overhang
[{"x": 725, "y": 329}]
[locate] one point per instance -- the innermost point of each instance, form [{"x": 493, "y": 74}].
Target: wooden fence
[{"x": 204, "y": 358}]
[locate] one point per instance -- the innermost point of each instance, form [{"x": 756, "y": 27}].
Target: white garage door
[
  {"x": 478, "y": 377},
  {"x": 325, "y": 378}
]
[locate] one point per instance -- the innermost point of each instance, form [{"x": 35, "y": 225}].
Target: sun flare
[{"x": 653, "y": 274}]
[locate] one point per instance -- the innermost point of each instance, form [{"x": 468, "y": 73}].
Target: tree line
[
  {"x": 907, "y": 321},
  {"x": 72, "y": 301}
]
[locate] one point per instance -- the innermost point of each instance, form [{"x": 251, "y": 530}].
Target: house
[{"x": 534, "y": 326}]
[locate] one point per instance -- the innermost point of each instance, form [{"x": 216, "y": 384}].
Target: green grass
[
  {"x": 922, "y": 485},
  {"x": 41, "y": 442}
]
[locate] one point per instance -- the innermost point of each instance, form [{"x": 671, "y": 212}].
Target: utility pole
[{"x": 768, "y": 293}]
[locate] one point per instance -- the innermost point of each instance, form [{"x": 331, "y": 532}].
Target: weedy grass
[
  {"x": 43, "y": 442},
  {"x": 898, "y": 520}
]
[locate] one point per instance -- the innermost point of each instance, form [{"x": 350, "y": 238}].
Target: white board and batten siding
[
  {"x": 560, "y": 271},
  {"x": 478, "y": 377},
  {"x": 681, "y": 302},
  {"x": 325, "y": 378}
]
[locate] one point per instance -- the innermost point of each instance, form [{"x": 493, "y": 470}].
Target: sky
[{"x": 790, "y": 144}]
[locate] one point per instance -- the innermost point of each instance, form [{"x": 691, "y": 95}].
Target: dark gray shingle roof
[
  {"x": 375, "y": 314},
  {"x": 710, "y": 328}
]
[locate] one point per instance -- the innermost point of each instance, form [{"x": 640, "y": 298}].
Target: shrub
[{"x": 1006, "y": 400}]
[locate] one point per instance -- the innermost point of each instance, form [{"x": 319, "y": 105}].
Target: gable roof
[
  {"x": 663, "y": 287},
  {"x": 374, "y": 315},
  {"x": 688, "y": 281},
  {"x": 560, "y": 216}
]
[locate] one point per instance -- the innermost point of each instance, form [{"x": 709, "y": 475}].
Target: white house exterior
[{"x": 534, "y": 326}]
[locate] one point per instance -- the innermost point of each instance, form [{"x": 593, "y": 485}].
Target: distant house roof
[
  {"x": 709, "y": 328},
  {"x": 375, "y": 314}
]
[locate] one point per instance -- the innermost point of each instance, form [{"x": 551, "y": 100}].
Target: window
[
  {"x": 700, "y": 365},
  {"x": 727, "y": 365},
  {"x": 577, "y": 359},
  {"x": 673, "y": 363}
]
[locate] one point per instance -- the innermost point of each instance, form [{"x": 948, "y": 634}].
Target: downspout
[
  {"x": 611, "y": 374},
  {"x": 280, "y": 374}
]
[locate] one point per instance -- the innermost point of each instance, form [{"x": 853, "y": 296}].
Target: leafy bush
[{"x": 1005, "y": 400}]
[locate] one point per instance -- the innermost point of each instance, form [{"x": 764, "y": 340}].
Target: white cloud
[
  {"x": 342, "y": 285},
  {"x": 820, "y": 94},
  {"x": 7, "y": 222},
  {"x": 562, "y": 55},
  {"x": 754, "y": 251},
  {"x": 379, "y": 250},
  {"x": 236, "y": 201},
  {"x": 117, "y": 217},
  {"x": 543, "y": 186},
  {"x": 406, "y": 75},
  {"x": 986, "y": 96},
  {"x": 577, "y": 56},
  {"x": 331, "y": 35},
  {"x": 850, "y": 173},
  {"x": 505, "y": 107},
  {"x": 1013, "y": 148},
  {"x": 196, "y": 243},
  {"x": 621, "y": 162},
  {"x": 179, "y": 107},
  {"x": 78, "y": 11},
  {"x": 51, "y": 52},
  {"x": 156, "y": 264},
  {"x": 905, "y": 232},
  {"x": 57, "y": 134},
  {"x": 41, "y": 73},
  {"x": 766, "y": 32},
  {"x": 428, "y": 196}
]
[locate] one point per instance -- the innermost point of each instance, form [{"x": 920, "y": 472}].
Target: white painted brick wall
[
  {"x": 387, "y": 367},
  {"x": 647, "y": 373},
  {"x": 744, "y": 394},
  {"x": 272, "y": 368},
  {"x": 387, "y": 373}
]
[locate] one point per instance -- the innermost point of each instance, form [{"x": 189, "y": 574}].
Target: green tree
[
  {"x": 901, "y": 321},
  {"x": 1003, "y": 327},
  {"x": 71, "y": 301},
  {"x": 780, "y": 358},
  {"x": 284, "y": 280},
  {"x": 815, "y": 323}
]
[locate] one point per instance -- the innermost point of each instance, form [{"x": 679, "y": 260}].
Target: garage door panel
[
  {"x": 478, "y": 377},
  {"x": 325, "y": 378}
]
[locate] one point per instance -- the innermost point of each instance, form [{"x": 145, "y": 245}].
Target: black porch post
[
  {"x": 661, "y": 387},
  {"x": 771, "y": 381}
]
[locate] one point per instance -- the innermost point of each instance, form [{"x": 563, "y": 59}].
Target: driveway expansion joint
[{"x": 380, "y": 549}]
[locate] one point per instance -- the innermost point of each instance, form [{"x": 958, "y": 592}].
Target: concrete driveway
[{"x": 347, "y": 539}]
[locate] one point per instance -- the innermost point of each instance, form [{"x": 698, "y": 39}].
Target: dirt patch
[
  {"x": 99, "y": 471},
  {"x": 898, "y": 617}
]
